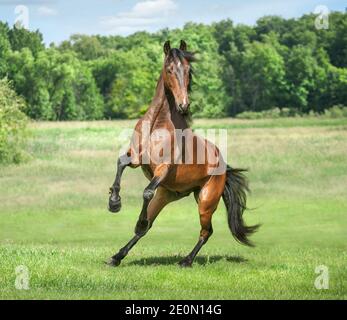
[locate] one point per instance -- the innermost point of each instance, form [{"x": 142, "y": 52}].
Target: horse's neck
[{"x": 163, "y": 113}]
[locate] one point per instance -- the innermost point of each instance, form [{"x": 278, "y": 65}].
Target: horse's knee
[
  {"x": 124, "y": 160},
  {"x": 142, "y": 227},
  {"x": 148, "y": 194}
]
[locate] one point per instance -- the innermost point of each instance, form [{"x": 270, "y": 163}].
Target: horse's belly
[{"x": 185, "y": 178}]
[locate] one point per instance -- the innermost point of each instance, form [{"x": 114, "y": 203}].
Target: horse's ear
[
  {"x": 183, "y": 45},
  {"x": 167, "y": 47}
]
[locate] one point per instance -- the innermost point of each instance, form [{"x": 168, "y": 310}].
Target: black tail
[{"x": 235, "y": 197}]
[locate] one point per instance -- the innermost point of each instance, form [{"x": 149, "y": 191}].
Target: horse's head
[{"x": 177, "y": 74}]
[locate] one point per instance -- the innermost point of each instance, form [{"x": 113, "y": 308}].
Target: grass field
[{"x": 54, "y": 218}]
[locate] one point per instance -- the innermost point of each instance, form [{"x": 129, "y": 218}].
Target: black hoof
[
  {"x": 113, "y": 262},
  {"x": 114, "y": 204},
  {"x": 185, "y": 263}
]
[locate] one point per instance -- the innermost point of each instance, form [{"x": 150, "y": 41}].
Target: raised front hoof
[
  {"x": 114, "y": 205},
  {"x": 185, "y": 263},
  {"x": 113, "y": 262}
]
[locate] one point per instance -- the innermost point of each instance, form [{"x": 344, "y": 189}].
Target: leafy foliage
[
  {"x": 12, "y": 125},
  {"x": 278, "y": 63}
]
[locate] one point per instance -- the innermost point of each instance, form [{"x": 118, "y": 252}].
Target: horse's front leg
[
  {"x": 114, "y": 204},
  {"x": 150, "y": 210}
]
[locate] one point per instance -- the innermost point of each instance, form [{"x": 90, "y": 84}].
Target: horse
[{"x": 173, "y": 176}]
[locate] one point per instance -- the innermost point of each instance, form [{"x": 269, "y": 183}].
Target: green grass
[{"x": 54, "y": 218}]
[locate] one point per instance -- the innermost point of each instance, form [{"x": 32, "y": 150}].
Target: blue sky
[{"x": 58, "y": 19}]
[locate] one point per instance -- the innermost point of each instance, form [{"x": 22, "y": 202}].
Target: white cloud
[
  {"x": 152, "y": 8},
  {"x": 46, "y": 11},
  {"x": 142, "y": 16}
]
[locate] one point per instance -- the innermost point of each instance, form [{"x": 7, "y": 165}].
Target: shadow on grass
[{"x": 200, "y": 260}]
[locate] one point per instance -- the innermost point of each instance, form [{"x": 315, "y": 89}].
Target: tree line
[{"x": 282, "y": 63}]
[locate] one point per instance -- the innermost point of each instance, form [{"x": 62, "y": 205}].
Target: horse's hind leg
[
  {"x": 205, "y": 233},
  {"x": 207, "y": 199}
]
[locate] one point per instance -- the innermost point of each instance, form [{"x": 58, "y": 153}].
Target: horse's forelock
[{"x": 177, "y": 53}]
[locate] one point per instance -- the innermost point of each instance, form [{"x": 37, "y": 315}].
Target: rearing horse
[{"x": 179, "y": 172}]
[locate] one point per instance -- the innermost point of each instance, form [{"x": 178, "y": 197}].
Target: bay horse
[{"x": 171, "y": 180}]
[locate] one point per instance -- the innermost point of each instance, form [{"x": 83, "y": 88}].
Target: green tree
[
  {"x": 72, "y": 88},
  {"x": 338, "y": 49},
  {"x": 86, "y": 47},
  {"x": 262, "y": 77},
  {"x": 30, "y": 79},
  {"x": 269, "y": 24},
  {"x": 22, "y": 38},
  {"x": 278, "y": 62},
  {"x": 302, "y": 72},
  {"x": 134, "y": 85},
  {"x": 12, "y": 125},
  {"x": 5, "y": 48},
  {"x": 56, "y": 86}
]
